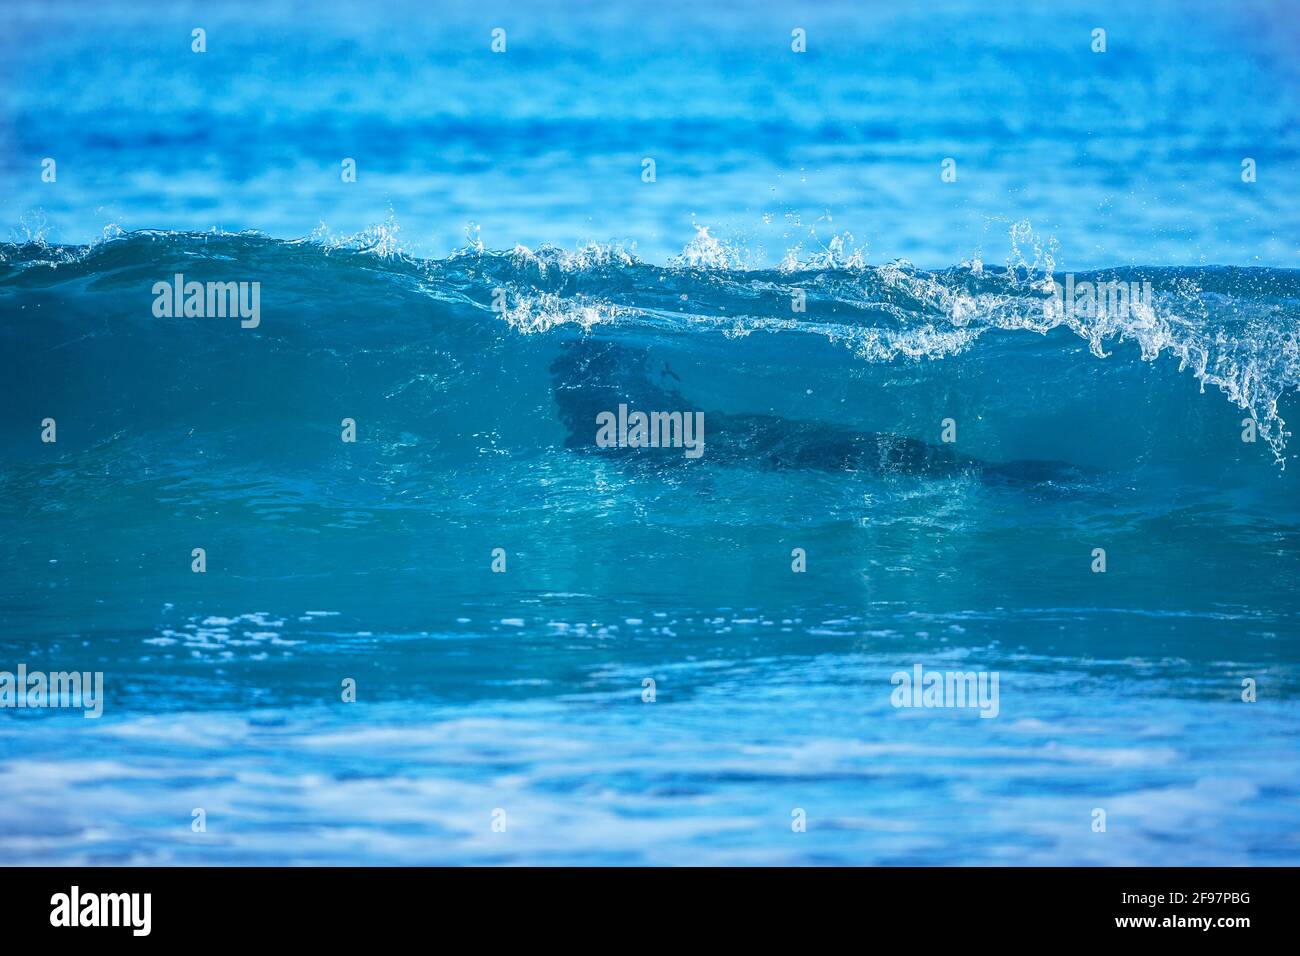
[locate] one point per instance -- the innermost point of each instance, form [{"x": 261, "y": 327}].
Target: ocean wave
[{"x": 1236, "y": 330}]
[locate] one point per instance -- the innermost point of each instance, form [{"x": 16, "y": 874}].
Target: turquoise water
[{"x": 516, "y": 179}]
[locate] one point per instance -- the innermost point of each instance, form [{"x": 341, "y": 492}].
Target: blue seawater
[{"x": 474, "y": 369}]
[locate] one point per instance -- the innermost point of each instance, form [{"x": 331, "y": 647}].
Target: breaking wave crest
[{"x": 1235, "y": 330}]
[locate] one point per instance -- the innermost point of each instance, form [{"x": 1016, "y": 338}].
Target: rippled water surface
[{"x": 515, "y": 180}]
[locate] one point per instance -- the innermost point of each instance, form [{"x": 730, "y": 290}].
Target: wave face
[
  {"x": 831, "y": 347},
  {"x": 475, "y": 384}
]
